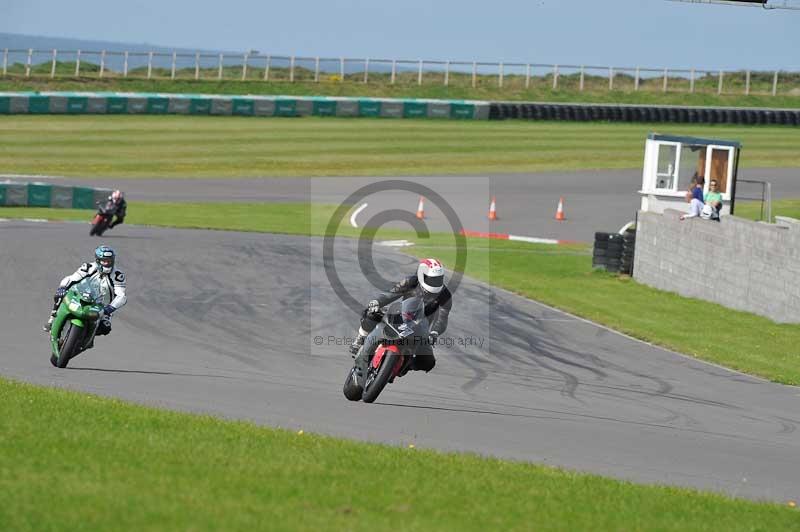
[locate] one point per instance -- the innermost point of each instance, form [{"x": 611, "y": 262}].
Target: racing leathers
[
  {"x": 112, "y": 286},
  {"x": 437, "y": 310},
  {"x": 119, "y": 213}
]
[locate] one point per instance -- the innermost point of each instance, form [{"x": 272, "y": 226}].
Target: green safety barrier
[
  {"x": 14, "y": 194},
  {"x": 197, "y": 104}
]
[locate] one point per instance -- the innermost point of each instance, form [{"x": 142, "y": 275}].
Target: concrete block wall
[{"x": 738, "y": 263}]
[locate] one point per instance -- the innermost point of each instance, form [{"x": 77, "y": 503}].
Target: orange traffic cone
[
  {"x": 560, "y": 210},
  {"x": 493, "y": 210},
  {"x": 421, "y": 209}
]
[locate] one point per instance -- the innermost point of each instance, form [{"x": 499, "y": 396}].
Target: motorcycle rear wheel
[
  {"x": 351, "y": 389},
  {"x": 71, "y": 345},
  {"x": 373, "y": 387}
]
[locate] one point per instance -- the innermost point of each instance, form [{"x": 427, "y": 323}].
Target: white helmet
[{"x": 430, "y": 274}]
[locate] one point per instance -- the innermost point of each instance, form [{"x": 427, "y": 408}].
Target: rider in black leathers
[{"x": 427, "y": 283}]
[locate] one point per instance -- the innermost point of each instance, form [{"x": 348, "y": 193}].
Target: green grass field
[
  {"x": 178, "y": 146},
  {"x": 596, "y": 89},
  {"x": 72, "y": 461},
  {"x": 559, "y": 276}
]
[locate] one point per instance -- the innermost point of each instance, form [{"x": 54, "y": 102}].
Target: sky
[{"x": 623, "y": 33}]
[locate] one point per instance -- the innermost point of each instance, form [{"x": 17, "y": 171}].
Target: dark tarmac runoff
[
  {"x": 246, "y": 326},
  {"x": 596, "y": 200}
]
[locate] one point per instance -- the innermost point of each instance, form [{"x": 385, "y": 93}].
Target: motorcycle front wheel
[
  {"x": 377, "y": 379},
  {"x": 72, "y": 343}
]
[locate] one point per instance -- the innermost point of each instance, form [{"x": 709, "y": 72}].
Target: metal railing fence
[{"x": 32, "y": 63}]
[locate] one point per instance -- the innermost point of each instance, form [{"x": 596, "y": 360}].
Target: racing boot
[
  {"x": 358, "y": 342},
  {"x": 49, "y": 325}
]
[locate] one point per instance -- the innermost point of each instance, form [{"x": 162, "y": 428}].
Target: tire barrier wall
[
  {"x": 642, "y": 113},
  {"x": 15, "y": 194},
  {"x": 614, "y": 252},
  {"x": 203, "y": 104}
]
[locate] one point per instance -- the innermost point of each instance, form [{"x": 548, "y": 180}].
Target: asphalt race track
[
  {"x": 597, "y": 200},
  {"x": 224, "y": 323}
]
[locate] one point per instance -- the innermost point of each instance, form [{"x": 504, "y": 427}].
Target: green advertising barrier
[
  {"x": 2, "y": 194},
  {"x": 285, "y": 107},
  {"x": 199, "y": 104},
  {"x": 242, "y": 106},
  {"x": 39, "y": 195},
  {"x": 39, "y": 104},
  {"x": 324, "y": 108},
  {"x": 16, "y": 195},
  {"x": 82, "y": 198}
]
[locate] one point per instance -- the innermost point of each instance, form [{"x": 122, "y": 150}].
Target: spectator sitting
[
  {"x": 694, "y": 197},
  {"x": 714, "y": 197}
]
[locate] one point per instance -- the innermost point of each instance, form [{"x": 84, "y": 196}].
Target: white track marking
[
  {"x": 532, "y": 239},
  {"x": 355, "y": 213},
  {"x": 30, "y": 176}
]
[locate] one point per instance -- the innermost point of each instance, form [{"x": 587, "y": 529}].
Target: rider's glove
[
  {"x": 373, "y": 306},
  {"x": 61, "y": 292},
  {"x": 108, "y": 310},
  {"x": 432, "y": 337}
]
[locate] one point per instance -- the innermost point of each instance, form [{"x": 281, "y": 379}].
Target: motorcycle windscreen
[{"x": 90, "y": 290}]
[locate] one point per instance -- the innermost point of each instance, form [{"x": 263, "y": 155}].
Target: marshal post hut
[{"x": 670, "y": 163}]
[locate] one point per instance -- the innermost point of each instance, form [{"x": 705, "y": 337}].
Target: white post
[
  {"x": 291, "y": 69},
  {"x": 474, "y": 74},
  {"x": 197, "y": 65},
  {"x": 611, "y": 78},
  {"x": 5, "y": 61},
  {"x": 266, "y": 68},
  {"x": 219, "y": 66},
  {"x": 774, "y": 83},
  {"x": 244, "y": 66},
  {"x": 53, "y": 65},
  {"x": 636, "y": 81},
  {"x": 341, "y": 70},
  {"x": 555, "y": 77},
  {"x": 583, "y": 77},
  {"x": 78, "y": 64},
  {"x": 419, "y": 74},
  {"x": 719, "y": 86},
  {"x": 747, "y": 83},
  {"x": 28, "y": 64},
  {"x": 394, "y": 70},
  {"x": 691, "y": 81},
  {"x": 665, "y": 81},
  {"x": 316, "y": 69},
  {"x": 527, "y": 76},
  {"x": 102, "y": 62},
  {"x": 174, "y": 58},
  {"x": 447, "y": 73},
  {"x": 149, "y": 64},
  {"x": 125, "y": 66},
  {"x": 366, "y": 70},
  {"x": 500, "y": 75}
]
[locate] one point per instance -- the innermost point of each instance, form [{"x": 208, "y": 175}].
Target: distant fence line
[{"x": 476, "y": 74}]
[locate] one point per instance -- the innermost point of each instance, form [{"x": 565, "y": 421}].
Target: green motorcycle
[{"x": 76, "y": 321}]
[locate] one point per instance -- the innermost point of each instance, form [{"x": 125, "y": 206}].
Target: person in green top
[{"x": 713, "y": 196}]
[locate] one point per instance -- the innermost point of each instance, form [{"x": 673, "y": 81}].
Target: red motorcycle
[
  {"x": 101, "y": 220},
  {"x": 393, "y": 343}
]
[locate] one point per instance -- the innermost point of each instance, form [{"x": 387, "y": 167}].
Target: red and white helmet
[
  {"x": 116, "y": 196},
  {"x": 430, "y": 274}
]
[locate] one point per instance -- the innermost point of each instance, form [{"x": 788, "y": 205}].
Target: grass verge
[
  {"x": 752, "y": 210},
  {"x": 558, "y": 276},
  {"x": 71, "y": 461},
  {"x": 196, "y": 146}
]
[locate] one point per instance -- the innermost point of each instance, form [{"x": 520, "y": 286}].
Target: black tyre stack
[
  {"x": 628, "y": 247},
  {"x": 607, "y": 252}
]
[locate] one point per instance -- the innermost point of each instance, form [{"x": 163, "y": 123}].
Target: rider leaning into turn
[
  {"x": 427, "y": 283},
  {"x": 112, "y": 285},
  {"x": 121, "y": 206}
]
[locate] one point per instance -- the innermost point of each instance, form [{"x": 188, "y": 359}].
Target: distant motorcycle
[
  {"x": 402, "y": 330},
  {"x": 76, "y": 322},
  {"x": 101, "y": 221}
]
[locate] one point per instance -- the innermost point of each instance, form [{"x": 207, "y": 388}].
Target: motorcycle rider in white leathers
[{"x": 112, "y": 285}]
